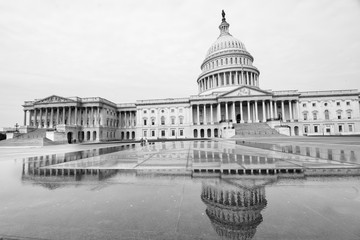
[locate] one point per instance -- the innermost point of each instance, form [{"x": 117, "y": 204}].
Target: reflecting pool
[{"x": 180, "y": 190}]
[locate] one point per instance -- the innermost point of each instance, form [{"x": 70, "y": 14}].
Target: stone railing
[
  {"x": 330, "y": 92},
  {"x": 166, "y": 100}
]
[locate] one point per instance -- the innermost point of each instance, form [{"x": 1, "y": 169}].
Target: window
[
  {"x": 153, "y": 121},
  {"x": 314, "y": 104},
  {"x": 327, "y": 117},
  {"x": 180, "y": 110},
  {"x": 338, "y": 115},
  {"x": 145, "y": 133},
  {"x": 162, "y": 120},
  {"x": 145, "y": 111},
  {"x": 162, "y": 111},
  {"x": 314, "y": 116},
  {"x": 337, "y": 103},
  {"x": 172, "y": 120},
  {"x": 152, "y": 111},
  {"x": 350, "y": 128},
  {"x": 325, "y": 104},
  {"x": 163, "y": 133},
  {"x": 181, "y": 120},
  {"x": 305, "y": 116},
  {"x": 145, "y": 121},
  {"x": 348, "y": 114},
  {"x": 340, "y": 128},
  {"x": 304, "y": 104},
  {"x": 173, "y": 132},
  {"x": 316, "y": 129},
  {"x": 306, "y": 129},
  {"x": 181, "y": 132},
  {"x": 347, "y": 103},
  {"x": 153, "y": 133}
]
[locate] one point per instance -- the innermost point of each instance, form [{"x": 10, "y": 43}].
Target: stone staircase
[
  {"x": 254, "y": 130},
  {"x": 33, "y": 138}
]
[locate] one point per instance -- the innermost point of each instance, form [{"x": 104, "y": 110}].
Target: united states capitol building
[{"x": 230, "y": 102}]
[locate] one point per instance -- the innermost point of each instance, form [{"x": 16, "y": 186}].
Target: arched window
[{"x": 327, "y": 116}]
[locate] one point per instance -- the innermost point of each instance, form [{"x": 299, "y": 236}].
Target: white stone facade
[{"x": 229, "y": 93}]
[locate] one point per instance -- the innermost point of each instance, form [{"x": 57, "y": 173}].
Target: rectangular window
[
  {"x": 314, "y": 116},
  {"x": 145, "y": 133},
  {"x": 348, "y": 115},
  {"x": 304, "y": 104},
  {"x": 316, "y": 129},
  {"x": 306, "y": 129},
  {"x": 163, "y": 133},
  {"x": 339, "y": 115},
  {"x": 173, "y": 132},
  {"x": 305, "y": 116},
  {"x": 181, "y": 132},
  {"x": 340, "y": 128},
  {"x": 181, "y": 120},
  {"x": 348, "y": 103},
  {"x": 314, "y": 104},
  {"x": 145, "y": 122},
  {"x": 350, "y": 128},
  {"x": 337, "y": 103},
  {"x": 172, "y": 121}
]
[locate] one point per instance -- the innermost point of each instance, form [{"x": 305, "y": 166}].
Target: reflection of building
[
  {"x": 228, "y": 92},
  {"x": 234, "y": 206}
]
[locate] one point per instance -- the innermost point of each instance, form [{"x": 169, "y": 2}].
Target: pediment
[
  {"x": 246, "y": 91},
  {"x": 53, "y": 99}
]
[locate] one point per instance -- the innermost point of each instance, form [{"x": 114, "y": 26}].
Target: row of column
[
  {"x": 127, "y": 119},
  {"x": 228, "y": 78},
  {"x": 50, "y": 117},
  {"x": 244, "y": 111},
  {"x": 251, "y": 197}
]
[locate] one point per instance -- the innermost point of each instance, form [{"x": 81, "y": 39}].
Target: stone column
[
  {"x": 92, "y": 117},
  {"x": 57, "y": 115},
  {"x": 275, "y": 109},
  {"x": 190, "y": 115},
  {"x": 204, "y": 119},
  {"x": 211, "y": 114},
  {"x": 298, "y": 110},
  {"x": 218, "y": 109},
  {"x": 69, "y": 116},
  {"x": 35, "y": 118},
  {"x": 283, "y": 111},
  {"x": 290, "y": 112},
  {"x": 98, "y": 116},
  {"x": 76, "y": 118},
  {"x": 25, "y": 117},
  {"x": 40, "y": 121},
  {"x": 233, "y": 112},
  {"x": 256, "y": 112},
  {"x": 52, "y": 118},
  {"x": 241, "y": 113},
  {"x": 198, "y": 114},
  {"x": 226, "y": 111},
  {"x": 248, "y": 110},
  {"x": 271, "y": 110},
  {"x": 63, "y": 119},
  {"x": 263, "y": 111}
]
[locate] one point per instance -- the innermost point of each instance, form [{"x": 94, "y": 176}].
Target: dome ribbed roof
[{"x": 225, "y": 42}]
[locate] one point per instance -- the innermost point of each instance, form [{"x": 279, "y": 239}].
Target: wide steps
[{"x": 254, "y": 129}]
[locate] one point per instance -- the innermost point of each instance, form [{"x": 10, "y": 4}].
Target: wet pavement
[{"x": 128, "y": 191}]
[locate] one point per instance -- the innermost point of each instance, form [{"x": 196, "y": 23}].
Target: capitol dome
[{"x": 227, "y": 65}]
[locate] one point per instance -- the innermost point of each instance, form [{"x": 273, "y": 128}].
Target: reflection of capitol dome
[
  {"x": 227, "y": 65},
  {"x": 234, "y": 207}
]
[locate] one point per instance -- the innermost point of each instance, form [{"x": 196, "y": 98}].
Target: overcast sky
[{"x": 130, "y": 50}]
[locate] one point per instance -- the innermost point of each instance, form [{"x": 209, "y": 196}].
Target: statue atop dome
[{"x": 223, "y": 15}]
